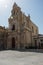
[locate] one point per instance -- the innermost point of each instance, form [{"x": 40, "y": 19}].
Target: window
[
  {"x": 32, "y": 29},
  {"x": 13, "y": 13},
  {"x": 13, "y": 27},
  {"x": 42, "y": 40},
  {"x": 36, "y": 31}
]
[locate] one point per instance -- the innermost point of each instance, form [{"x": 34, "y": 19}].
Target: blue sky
[{"x": 32, "y": 7}]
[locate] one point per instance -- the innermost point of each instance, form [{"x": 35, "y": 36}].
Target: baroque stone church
[{"x": 21, "y": 31}]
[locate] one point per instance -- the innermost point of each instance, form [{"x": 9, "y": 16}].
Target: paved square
[{"x": 20, "y": 58}]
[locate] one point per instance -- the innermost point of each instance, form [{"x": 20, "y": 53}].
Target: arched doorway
[
  {"x": 36, "y": 44},
  {"x": 13, "y": 42}
]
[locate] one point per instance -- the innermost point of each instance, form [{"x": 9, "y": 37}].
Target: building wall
[
  {"x": 21, "y": 28},
  {"x": 22, "y": 24},
  {"x": 3, "y": 38}
]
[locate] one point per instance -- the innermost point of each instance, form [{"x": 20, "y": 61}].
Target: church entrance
[{"x": 13, "y": 42}]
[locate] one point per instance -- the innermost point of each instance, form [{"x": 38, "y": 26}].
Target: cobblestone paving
[{"x": 20, "y": 58}]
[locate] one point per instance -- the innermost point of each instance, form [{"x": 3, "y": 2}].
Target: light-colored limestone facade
[{"x": 21, "y": 30}]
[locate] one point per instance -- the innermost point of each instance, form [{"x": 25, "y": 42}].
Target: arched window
[{"x": 13, "y": 27}]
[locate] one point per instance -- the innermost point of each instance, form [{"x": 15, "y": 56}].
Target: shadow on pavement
[
  {"x": 26, "y": 50},
  {"x": 29, "y": 50}
]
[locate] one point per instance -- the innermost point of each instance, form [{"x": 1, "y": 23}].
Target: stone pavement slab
[{"x": 20, "y": 58}]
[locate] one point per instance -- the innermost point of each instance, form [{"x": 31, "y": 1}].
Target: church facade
[{"x": 21, "y": 31}]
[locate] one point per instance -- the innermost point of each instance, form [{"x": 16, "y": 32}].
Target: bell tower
[{"x": 13, "y": 20}]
